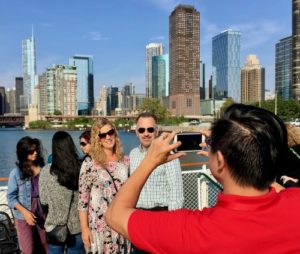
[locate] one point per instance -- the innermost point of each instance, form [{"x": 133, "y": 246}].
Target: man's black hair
[{"x": 253, "y": 142}]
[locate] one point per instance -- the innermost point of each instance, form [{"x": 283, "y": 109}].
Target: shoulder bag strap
[
  {"x": 294, "y": 152},
  {"x": 70, "y": 206},
  {"x": 112, "y": 179}
]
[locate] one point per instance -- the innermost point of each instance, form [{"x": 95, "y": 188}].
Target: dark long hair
[
  {"x": 65, "y": 160},
  {"x": 24, "y": 146}
]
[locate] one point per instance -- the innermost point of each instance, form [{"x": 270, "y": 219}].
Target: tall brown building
[
  {"x": 184, "y": 37},
  {"x": 296, "y": 49},
  {"x": 252, "y": 81}
]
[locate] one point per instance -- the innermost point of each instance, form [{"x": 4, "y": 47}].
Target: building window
[
  {"x": 173, "y": 104},
  {"x": 189, "y": 102}
]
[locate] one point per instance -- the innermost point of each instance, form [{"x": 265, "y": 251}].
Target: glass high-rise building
[
  {"x": 2, "y": 100},
  {"x": 226, "y": 65},
  {"x": 85, "y": 83},
  {"x": 29, "y": 71},
  {"x": 128, "y": 90},
  {"x": 152, "y": 49},
  {"x": 160, "y": 76},
  {"x": 19, "y": 93},
  {"x": 112, "y": 99},
  {"x": 184, "y": 68},
  {"x": 296, "y": 49},
  {"x": 283, "y": 68}
]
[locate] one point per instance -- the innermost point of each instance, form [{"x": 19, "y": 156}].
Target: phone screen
[{"x": 189, "y": 142}]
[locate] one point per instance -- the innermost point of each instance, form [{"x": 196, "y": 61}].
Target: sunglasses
[
  {"x": 208, "y": 141},
  {"x": 83, "y": 144},
  {"x": 31, "y": 152},
  {"x": 109, "y": 133},
  {"x": 149, "y": 130}
]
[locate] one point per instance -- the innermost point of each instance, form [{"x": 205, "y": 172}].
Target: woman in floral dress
[{"x": 101, "y": 176}]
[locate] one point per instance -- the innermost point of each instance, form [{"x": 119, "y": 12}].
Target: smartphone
[{"x": 190, "y": 141}]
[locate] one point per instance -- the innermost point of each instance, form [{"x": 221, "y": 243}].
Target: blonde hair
[
  {"x": 97, "y": 151},
  {"x": 293, "y": 135}
]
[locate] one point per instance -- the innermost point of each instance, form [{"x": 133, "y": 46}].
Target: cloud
[
  {"x": 158, "y": 38},
  {"x": 96, "y": 36},
  {"x": 252, "y": 34}
]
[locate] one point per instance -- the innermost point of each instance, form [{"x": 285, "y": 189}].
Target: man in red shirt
[{"x": 248, "y": 146}]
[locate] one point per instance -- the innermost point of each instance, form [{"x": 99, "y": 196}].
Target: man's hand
[
  {"x": 207, "y": 134},
  {"x": 160, "y": 150}
]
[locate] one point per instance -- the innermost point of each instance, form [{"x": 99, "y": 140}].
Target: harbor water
[{"x": 10, "y": 136}]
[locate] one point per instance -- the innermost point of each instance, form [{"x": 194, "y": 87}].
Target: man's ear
[
  {"x": 220, "y": 161},
  {"x": 156, "y": 132}
]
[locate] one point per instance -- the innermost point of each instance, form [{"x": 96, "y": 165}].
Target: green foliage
[
  {"x": 124, "y": 122},
  {"x": 286, "y": 109},
  {"x": 80, "y": 121},
  {"x": 40, "y": 124},
  {"x": 155, "y": 107},
  {"x": 57, "y": 113},
  {"x": 173, "y": 120},
  {"x": 226, "y": 104}
]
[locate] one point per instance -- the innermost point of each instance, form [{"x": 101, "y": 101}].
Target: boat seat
[
  {"x": 9, "y": 223},
  {"x": 7, "y": 244}
]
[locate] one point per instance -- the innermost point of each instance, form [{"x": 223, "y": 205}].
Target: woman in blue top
[{"x": 23, "y": 196}]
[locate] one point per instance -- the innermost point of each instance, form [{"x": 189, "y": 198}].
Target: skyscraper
[
  {"x": 2, "y": 100},
  {"x": 29, "y": 71},
  {"x": 112, "y": 99},
  {"x": 184, "y": 45},
  {"x": 252, "y": 81},
  {"x": 128, "y": 90},
  {"x": 296, "y": 49},
  {"x": 226, "y": 65},
  {"x": 85, "y": 83},
  {"x": 283, "y": 68},
  {"x": 11, "y": 100},
  {"x": 202, "y": 81},
  {"x": 152, "y": 49},
  {"x": 160, "y": 76},
  {"x": 19, "y": 93},
  {"x": 58, "y": 90}
]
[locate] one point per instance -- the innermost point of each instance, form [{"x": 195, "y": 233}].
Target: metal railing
[{"x": 200, "y": 189}]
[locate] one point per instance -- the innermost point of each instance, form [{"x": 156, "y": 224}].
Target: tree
[
  {"x": 229, "y": 101},
  {"x": 40, "y": 124},
  {"x": 57, "y": 112},
  {"x": 155, "y": 107},
  {"x": 286, "y": 109}
]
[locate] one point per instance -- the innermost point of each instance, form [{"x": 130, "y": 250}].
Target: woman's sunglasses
[
  {"x": 109, "y": 133},
  {"x": 31, "y": 152},
  {"x": 83, "y": 144},
  {"x": 142, "y": 130}
]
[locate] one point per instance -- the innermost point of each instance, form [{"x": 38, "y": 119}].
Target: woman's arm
[
  {"x": 86, "y": 233},
  {"x": 13, "y": 199},
  {"x": 85, "y": 183}
]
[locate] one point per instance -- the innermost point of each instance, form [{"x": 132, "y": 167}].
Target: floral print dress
[{"x": 97, "y": 188}]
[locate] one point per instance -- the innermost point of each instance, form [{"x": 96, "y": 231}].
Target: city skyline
[{"x": 116, "y": 33}]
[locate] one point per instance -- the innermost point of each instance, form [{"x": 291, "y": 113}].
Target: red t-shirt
[{"x": 237, "y": 224}]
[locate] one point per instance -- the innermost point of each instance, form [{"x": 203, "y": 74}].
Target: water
[{"x": 10, "y": 136}]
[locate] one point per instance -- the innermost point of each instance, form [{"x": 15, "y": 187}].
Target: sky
[{"x": 115, "y": 33}]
